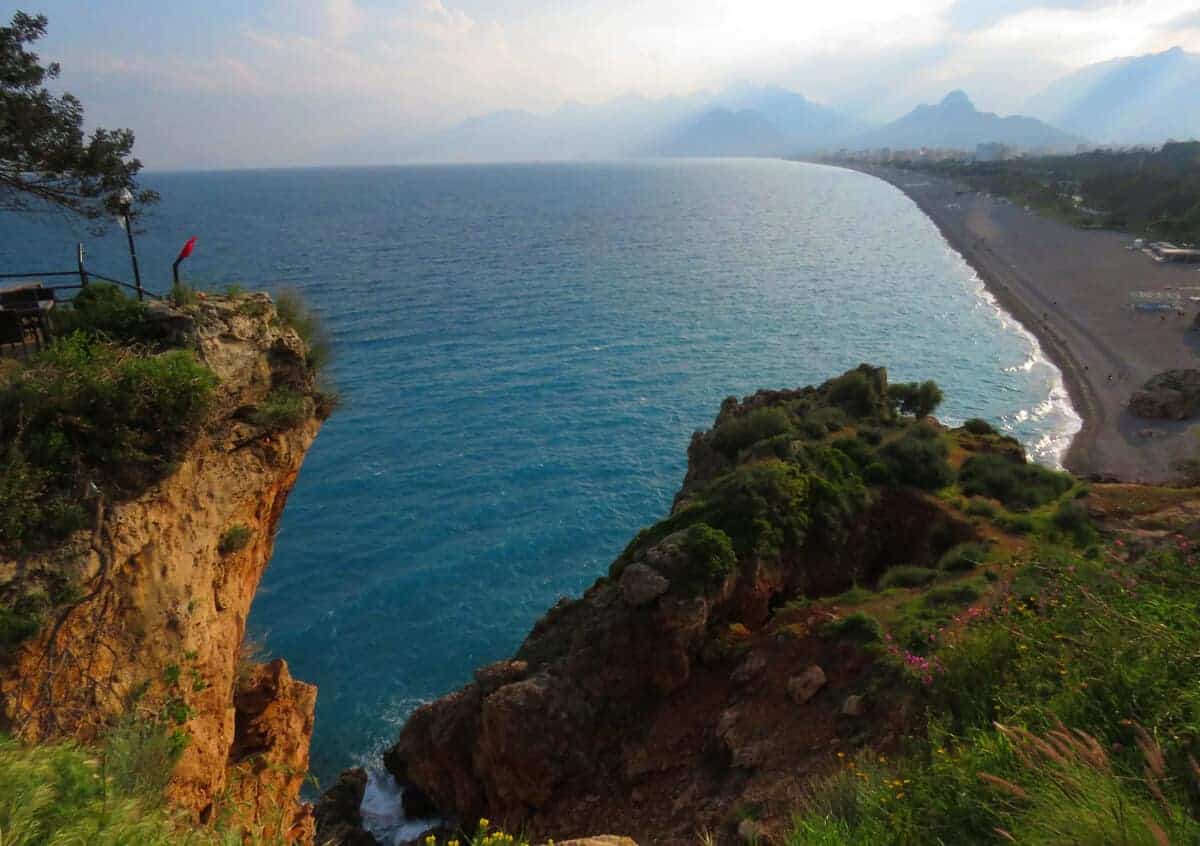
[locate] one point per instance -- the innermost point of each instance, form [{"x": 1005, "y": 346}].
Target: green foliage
[
  {"x": 859, "y": 627},
  {"x": 919, "y": 458},
  {"x": 979, "y": 507},
  {"x": 44, "y": 155},
  {"x": 857, "y": 393},
  {"x": 737, "y": 433},
  {"x": 85, "y": 411},
  {"x": 979, "y": 426},
  {"x": 917, "y": 398},
  {"x": 965, "y": 556},
  {"x": 1016, "y": 524},
  {"x": 907, "y": 576},
  {"x": 183, "y": 295},
  {"x": 20, "y": 620},
  {"x": 295, "y": 313},
  {"x": 102, "y": 310},
  {"x": 1072, "y": 520},
  {"x": 283, "y": 409},
  {"x": 234, "y": 539},
  {"x": 1018, "y": 485},
  {"x": 711, "y": 553}
]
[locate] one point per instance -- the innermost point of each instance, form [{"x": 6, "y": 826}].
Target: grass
[
  {"x": 859, "y": 627},
  {"x": 55, "y": 794},
  {"x": 1064, "y": 708},
  {"x": 907, "y": 576},
  {"x": 296, "y": 314},
  {"x": 90, "y": 411},
  {"x": 284, "y": 408},
  {"x": 963, "y": 557}
]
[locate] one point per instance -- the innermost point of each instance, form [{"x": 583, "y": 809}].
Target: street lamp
[{"x": 125, "y": 203}]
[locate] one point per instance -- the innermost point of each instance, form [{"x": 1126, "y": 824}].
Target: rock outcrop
[
  {"x": 155, "y": 623},
  {"x": 686, "y": 687},
  {"x": 1171, "y": 395}
]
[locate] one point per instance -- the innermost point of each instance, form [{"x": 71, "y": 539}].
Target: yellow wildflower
[{"x": 483, "y": 822}]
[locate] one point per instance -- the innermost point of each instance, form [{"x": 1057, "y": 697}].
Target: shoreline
[{"x": 1103, "y": 350}]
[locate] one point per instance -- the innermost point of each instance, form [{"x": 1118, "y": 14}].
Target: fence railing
[{"x": 80, "y": 273}]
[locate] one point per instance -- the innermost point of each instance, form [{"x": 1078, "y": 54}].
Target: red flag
[{"x": 187, "y": 249}]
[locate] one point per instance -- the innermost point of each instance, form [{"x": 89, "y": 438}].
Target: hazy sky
[{"x": 229, "y": 83}]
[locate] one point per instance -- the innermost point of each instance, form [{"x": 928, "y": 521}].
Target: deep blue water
[{"x": 524, "y": 352}]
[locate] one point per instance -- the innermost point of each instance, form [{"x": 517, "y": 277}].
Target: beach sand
[{"x": 1071, "y": 288}]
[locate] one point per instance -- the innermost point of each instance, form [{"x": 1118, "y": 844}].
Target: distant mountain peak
[{"x": 958, "y": 99}]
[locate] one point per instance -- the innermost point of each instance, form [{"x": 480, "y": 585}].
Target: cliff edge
[{"x": 143, "y": 611}]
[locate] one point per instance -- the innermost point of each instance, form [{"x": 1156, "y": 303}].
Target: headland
[{"x": 1073, "y": 290}]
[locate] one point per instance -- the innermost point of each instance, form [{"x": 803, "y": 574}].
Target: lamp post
[{"x": 125, "y": 201}]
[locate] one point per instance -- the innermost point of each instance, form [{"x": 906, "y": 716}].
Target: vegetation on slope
[{"x": 1156, "y": 194}]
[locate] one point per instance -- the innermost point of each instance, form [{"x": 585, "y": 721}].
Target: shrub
[
  {"x": 20, "y": 620},
  {"x": 856, "y": 392},
  {"x": 1072, "y": 520},
  {"x": 907, "y": 576},
  {"x": 979, "y": 426},
  {"x": 870, "y": 435},
  {"x": 103, "y": 310},
  {"x": 294, "y": 313},
  {"x": 1018, "y": 485},
  {"x": 1016, "y": 524},
  {"x": 282, "y": 409},
  {"x": 918, "y": 458},
  {"x": 860, "y": 627},
  {"x": 965, "y": 556},
  {"x": 856, "y": 449},
  {"x": 234, "y": 539},
  {"x": 979, "y": 507},
  {"x": 710, "y": 552},
  {"x": 737, "y": 433},
  {"x": 917, "y": 398}
]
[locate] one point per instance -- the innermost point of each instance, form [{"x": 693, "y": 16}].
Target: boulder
[
  {"x": 854, "y": 706},
  {"x": 338, "y": 814},
  {"x": 494, "y": 676},
  {"x": 751, "y": 831},
  {"x": 1171, "y": 395},
  {"x": 804, "y": 687},
  {"x": 750, "y": 668},
  {"x": 598, "y": 840},
  {"x": 641, "y": 584}
]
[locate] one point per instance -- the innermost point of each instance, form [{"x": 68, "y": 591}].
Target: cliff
[
  {"x": 150, "y": 602},
  {"x": 798, "y": 612}
]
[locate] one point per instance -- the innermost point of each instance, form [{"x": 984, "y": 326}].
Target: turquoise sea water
[{"x": 524, "y": 352}]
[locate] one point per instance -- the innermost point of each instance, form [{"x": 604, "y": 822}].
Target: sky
[{"x": 237, "y": 83}]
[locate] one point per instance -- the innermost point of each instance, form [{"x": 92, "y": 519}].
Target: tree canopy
[{"x": 45, "y": 157}]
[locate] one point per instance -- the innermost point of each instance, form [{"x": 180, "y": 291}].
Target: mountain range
[{"x": 1138, "y": 99}]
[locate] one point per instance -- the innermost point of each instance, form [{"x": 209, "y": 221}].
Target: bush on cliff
[
  {"x": 918, "y": 458},
  {"x": 102, "y": 310},
  {"x": 296, "y": 314},
  {"x": 85, "y": 412},
  {"x": 711, "y": 553},
  {"x": 737, "y": 433},
  {"x": 1018, "y": 485},
  {"x": 917, "y": 398}
]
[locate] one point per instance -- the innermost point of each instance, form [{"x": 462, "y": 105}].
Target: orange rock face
[{"x": 160, "y": 617}]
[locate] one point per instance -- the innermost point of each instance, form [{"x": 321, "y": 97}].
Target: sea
[{"x": 523, "y": 353}]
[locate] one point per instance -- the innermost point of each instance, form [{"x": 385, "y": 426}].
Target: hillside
[
  {"x": 1138, "y": 99},
  {"x": 955, "y": 123},
  {"x": 856, "y": 626}
]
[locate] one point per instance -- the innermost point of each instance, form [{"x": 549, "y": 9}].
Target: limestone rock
[
  {"x": 598, "y": 840},
  {"x": 750, "y": 668},
  {"x": 1171, "y": 395},
  {"x": 494, "y": 676},
  {"x": 157, "y": 593},
  {"x": 750, "y": 831},
  {"x": 338, "y": 814},
  {"x": 804, "y": 687},
  {"x": 854, "y": 706},
  {"x": 641, "y": 584}
]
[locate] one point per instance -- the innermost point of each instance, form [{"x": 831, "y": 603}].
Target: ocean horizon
[{"x": 524, "y": 352}]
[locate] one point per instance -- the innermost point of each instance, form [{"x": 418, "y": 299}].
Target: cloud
[
  {"x": 967, "y": 15},
  {"x": 1188, "y": 20}
]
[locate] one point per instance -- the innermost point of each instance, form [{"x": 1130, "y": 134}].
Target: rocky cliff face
[
  {"x": 692, "y": 687},
  {"x": 155, "y": 626}
]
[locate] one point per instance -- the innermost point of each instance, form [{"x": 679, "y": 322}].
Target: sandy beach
[{"x": 1071, "y": 288}]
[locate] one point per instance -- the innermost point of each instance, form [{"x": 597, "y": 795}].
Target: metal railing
[{"x": 83, "y": 274}]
